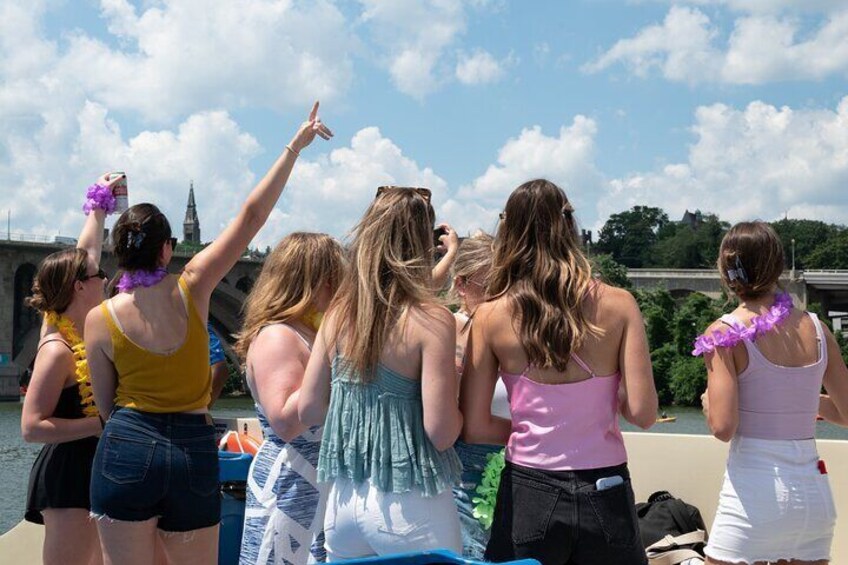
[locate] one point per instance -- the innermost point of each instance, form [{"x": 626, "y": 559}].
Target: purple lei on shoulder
[
  {"x": 99, "y": 196},
  {"x": 133, "y": 279},
  {"x": 736, "y": 333}
]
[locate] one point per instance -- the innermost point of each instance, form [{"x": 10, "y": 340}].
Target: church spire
[{"x": 191, "y": 225}]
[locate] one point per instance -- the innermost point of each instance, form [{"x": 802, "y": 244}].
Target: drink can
[{"x": 119, "y": 190}]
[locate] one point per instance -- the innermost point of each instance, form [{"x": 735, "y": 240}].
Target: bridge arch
[
  {"x": 244, "y": 284},
  {"x": 24, "y": 318}
]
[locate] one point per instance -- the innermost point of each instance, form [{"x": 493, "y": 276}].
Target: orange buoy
[{"x": 235, "y": 442}]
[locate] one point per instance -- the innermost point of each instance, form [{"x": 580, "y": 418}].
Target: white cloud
[
  {"x": 414, "y": 37},
  {"x": 762, "y": 47},
  {"x": 480, "y": 67},
  {"x": 757, "y": 162},
  {"x": 566, "y": 159}
]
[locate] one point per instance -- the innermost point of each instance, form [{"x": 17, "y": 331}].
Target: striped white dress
[{"x": 284, "y": 513}]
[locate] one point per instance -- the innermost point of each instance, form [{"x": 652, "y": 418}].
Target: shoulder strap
[
  {"x": 669, "y": 550},
  {"x": 819, "y": 337},
  {"x": 111, "y": 316},
  {"x": 56, "y": 338},
  {"x": 730, "y": 320},
  {"x": 292, "y": 329},
  {"x": 582, "y": 364},
  {"x": 185, "y": 294}
]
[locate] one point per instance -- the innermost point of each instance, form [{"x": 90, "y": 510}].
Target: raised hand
[{"x": 309, "y": 129}]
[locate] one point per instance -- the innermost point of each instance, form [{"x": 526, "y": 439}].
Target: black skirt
[{"x": 60, "y": 477}]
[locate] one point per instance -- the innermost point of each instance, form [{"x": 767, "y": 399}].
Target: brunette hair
[
  {"x": 540, "y": 266},
  {"x": 138, "y": 237},
  {"x": 53, "y": 287},
  {"x": 474, "y": 255},
  {"x": 290, "y": 279},
  {"x": 391, "y": 259},
  {"x": 750, "y": 259}
]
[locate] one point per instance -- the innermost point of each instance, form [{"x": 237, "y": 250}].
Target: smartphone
[
  {"x": 605, "y": 483},
  {"x": 437, "y": 233}
]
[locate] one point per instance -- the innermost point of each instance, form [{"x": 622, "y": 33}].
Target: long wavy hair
[
  {"x": 391, "y": 262},
  {"x": 289, "y": 282},
  {"x": 540, "y": 267}
]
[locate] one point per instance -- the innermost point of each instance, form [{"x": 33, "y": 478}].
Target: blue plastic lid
[{"x": 233, "y": 466}]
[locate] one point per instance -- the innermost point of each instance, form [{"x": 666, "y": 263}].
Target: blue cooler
[
  {"x": 232, "y": 476},
  {"x": 434, "y": 557}
]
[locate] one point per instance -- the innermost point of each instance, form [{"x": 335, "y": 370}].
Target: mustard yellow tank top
[{"x": 155, "y": 382}]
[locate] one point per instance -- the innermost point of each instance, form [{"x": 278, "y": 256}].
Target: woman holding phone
[
  {"x": 573, "y": 355},
  {"x": 59, "y": 410},
  {"x": 156, "y": 467}
]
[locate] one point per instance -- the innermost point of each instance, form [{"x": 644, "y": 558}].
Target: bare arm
[
  {"x": 478, "y": 386},
  {"x": 53, "y": 364},
  {"x": 207, "y": 268},
  {"x": 721, "y": 400},
  {"x": 98, "y": 348},
  {"x": 639, "y": 407},
  {"x": 835, "y": 383},
  {"x": 314, "y": 396},
  {"x": 442, "y": 418},
  {"x": 91, "y": 236},
  {"x": 278, "y": 361},
  {"x": 450, "y": 243}
]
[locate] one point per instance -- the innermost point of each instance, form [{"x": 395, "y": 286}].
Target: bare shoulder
[
  {"x": 94, "y": 319},
  {"x": 615, "y": 302},
  {"x": 54, "y": 352},
  {"x": 428, "y": 314},
  {"x": 276, "y": 338}
]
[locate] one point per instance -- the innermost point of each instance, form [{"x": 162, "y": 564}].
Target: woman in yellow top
[{"x": 156, "y": 465}]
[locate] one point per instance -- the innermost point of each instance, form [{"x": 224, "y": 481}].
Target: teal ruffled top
[{"x": 375, "y": 430}]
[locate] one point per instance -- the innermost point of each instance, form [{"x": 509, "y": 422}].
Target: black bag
[{"x": 671, "y": 529}]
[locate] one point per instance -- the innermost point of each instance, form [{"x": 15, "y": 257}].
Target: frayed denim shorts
[{"x": 157, "y": 465}]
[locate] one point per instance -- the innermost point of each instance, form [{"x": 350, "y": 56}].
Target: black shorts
[
  {"x": 559, "y": 518},
  {"x": 60, "y": 477}
]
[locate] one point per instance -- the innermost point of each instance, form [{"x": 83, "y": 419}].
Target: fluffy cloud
[
  {"x": 757, "y": 162},
  {"x": 480, "y": 67},
  {"x": 415, "y": 36},
  {"x": 762, "y": 47}
]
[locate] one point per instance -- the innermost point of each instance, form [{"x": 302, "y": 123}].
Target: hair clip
[
  {"x": 135, "y": 238},
  {"x": 738, "y": 272},
  {"x": 567, "y": 208}
]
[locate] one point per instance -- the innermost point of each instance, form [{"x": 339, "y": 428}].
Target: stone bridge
[{"x": 19, "y": 324}]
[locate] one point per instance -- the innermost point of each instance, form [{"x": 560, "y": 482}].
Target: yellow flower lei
[{"x": 69, "y": 332}]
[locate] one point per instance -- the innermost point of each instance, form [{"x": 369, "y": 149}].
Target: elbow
[
  {"x": 444, "y": 436},
  {"x": 442, "y": 441},
  {"x": 287, "y": 431},
  {"x": 29, "y": 433},
  {"x": 644, "y": 421},
  {"x": 310, "y": 415},
  {"x": 723, "y": 431}
]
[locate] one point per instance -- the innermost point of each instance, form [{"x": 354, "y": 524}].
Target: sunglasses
[
  {"x": 424, "y": 193},
  {"x": 100, "y": 274},
  {"x": 173, "y": 241}
]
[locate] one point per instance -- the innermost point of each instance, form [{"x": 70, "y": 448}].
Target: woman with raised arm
[
  {"x": 468, "y": 290},
  {"x": 59, "y": 409},
  {"x": 381, "y": 379},
  {"x": 284, "y": 518},
  {"x": 573, "y": 355},
  {"x": 156, "y": 466},
  {"x": 766, "y": 363}
]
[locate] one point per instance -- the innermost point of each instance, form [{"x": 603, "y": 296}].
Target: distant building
[
  {"x": 586, "y": 238},
  {"x": 692, "y": 219},
  {"x": 191, "y": 225}
]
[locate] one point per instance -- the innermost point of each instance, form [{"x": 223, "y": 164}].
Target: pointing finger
[{"x": 314, "y": 113}]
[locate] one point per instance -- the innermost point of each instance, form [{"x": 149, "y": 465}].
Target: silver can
[{"x": 119, "y": 190}]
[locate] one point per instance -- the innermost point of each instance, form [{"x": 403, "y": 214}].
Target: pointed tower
[{"x": 191, "y": 225}]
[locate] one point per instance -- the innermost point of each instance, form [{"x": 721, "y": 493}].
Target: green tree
[
  {"x": 830, "y": 254},
  {"x": 681, "y": 246},
  {"x": 630, "y": 236},
  {"x": 688, "y": 380},
  {"x": 808, "y": 235},
  {"x": 657, "y": 308},
  {"x": 691, "y": 319},
  {"x": 610, "y": 271},
  {"x": 662, "y": 360}
]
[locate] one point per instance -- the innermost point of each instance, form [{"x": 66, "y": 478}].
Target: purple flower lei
[
  {"x": 99, "y": 196},
  {"x": 133, "y": 279},
  {"x": 777, "y": 313}
]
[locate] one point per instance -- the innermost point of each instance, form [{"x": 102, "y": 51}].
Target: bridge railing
[{"x": 29, "y": 237}]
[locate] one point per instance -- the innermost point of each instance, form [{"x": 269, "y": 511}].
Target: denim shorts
[
  {"x": 559, "y": 518},
  {"x": 157, "y": 465}
]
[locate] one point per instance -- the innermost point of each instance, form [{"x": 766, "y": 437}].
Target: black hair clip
[
  {"x": 738, "y": 273},
  {"x": 135, "y": 238}
]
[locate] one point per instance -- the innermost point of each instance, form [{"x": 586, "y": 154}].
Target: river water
[{"x": 16, "y": 457}]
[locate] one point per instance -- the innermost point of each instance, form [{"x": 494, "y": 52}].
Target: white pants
[
  {"x": 774, "y": 504},
  {"x": 362, "y": 521}
]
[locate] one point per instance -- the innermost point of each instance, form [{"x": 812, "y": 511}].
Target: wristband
[
  {"x": 290, "y": 148},
  {"x": 99, "y": 196}
]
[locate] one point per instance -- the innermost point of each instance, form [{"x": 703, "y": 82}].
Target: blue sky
[{"x": 730, "y": 106}]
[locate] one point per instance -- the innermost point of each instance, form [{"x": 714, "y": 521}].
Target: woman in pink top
[
  {"x": 766, "y": 363},
  {"x": 573, "y": 355}
]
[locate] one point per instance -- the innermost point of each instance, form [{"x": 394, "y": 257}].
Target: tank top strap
[
  {"x": 292, "y": 329},
  {"x": 730, "y": 320},
  {"x": 582, "y": 364},
  {"x": 55, "y": 338},
  {"x": 112, "y": 322},
  {"x": 819, "y": 337},
  {"x": 188, "y": 301}
]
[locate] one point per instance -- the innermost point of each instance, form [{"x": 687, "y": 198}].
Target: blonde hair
[
  {"x": 539, "y": 265},
  {"x": 289, "y": 282},
  {"x": 474, "y": 255},
  {"x": 391, "y": 259}
]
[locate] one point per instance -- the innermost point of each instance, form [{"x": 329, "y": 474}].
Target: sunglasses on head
[
  {"x": 100, "y": 274},
  {"x": 424, "y": 193}
]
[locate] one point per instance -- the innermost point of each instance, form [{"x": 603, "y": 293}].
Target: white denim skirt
[{"x": 775, "y": 504}]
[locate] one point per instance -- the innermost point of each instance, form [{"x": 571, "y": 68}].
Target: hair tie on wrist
[
  {"x": 99, "y": 196},
  {"x": 290, "y": 148}
]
